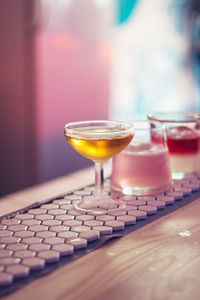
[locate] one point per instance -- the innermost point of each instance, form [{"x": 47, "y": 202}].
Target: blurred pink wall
[
  {"x": 18, "y": 145},
  {"x": 72, "y": 76},
  {"x": 54, "y": 58}
]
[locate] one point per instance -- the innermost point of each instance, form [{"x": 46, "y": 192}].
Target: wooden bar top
[{"x": 159, "y": 261}]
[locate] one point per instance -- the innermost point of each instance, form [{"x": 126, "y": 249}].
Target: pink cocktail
[{"x": 142, "y": 168}]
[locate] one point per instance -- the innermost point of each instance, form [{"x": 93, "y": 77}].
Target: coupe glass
[{"x": 98, "y": 141}]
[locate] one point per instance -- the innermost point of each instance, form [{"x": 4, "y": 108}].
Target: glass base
[
  {"x": 97, "y": 206},
  {"x": 142, "y": 191}
]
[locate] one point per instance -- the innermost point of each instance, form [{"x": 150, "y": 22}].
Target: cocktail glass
[
  {"x": 98, "y": 141},
  {"x": 183, "y": 140},
  {"x": 143, "y": 167}
]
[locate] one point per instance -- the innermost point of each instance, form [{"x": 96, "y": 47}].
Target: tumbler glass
[
  {"x": 143, "y": 167},
  {"x": 183, "y": 139}
]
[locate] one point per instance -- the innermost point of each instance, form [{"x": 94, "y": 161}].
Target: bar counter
[{"x": 159, "y": 261}]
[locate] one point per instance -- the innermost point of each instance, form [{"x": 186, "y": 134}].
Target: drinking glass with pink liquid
[
  {"x": 183, "y": 140},
  {"x": 143, "y": 168}
]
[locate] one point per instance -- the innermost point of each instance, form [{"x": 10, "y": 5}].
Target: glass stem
[{"x": 99, "y": 180}]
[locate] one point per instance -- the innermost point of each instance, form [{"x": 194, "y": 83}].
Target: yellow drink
[{"x": 103, "y": 146}]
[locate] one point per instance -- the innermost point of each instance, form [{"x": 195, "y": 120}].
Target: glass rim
[
  {"x": 170, "y": 117},
  {"x": 143, "y": 124},
  {"x": 69, "y": 128}
]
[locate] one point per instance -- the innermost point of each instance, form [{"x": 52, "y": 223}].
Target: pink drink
[{"x": 141, "y": 169}]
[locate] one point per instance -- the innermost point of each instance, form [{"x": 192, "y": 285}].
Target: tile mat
[{"x": 44, "y": 236}]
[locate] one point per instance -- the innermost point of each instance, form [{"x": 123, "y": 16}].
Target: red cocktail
[{"x": 183, "y": 140}]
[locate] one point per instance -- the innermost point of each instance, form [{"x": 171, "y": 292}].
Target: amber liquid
[{"x": 98, "y": 148}]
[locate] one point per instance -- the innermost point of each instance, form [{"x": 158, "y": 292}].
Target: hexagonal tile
[
  {"x": 56, "y": 212},
  {"x": 34, "y": 263},
  {"x": 85, "y": 217},
  {"x": 16, "y": 247},
  {"x": 23, "y": 234},
  {"x": 66, "y": 206},
  {"x": 18, "y": 271},
  {"x": 53, "y": 240},
  {"x": 68, "y": 234},
  {"x": 115, "y": 224},
  {"x": 49, "y": 256},
  {"x": 90, "y": 235},
  {"x": 24, "y": 253},
  {"x": 5, "y": 279},
  {"x": 137, "y": 202},
  {"x": 45, "y": 234},
  {"x": 38, "y": 228},
  {"x": 58, "y": 228},
  {"x": 176, "y": 195},
  {"x": 44, "y": 217},
  {"x": 146, "y": 198},
  {"x": 156, "y": 203},
  {"x": 104, "y": 229},
  {"x": 129, "y": 207},
  {"x": 185, "y": 191},
  {"x": 71, "y": 223},
  {"x": 5, "y": 233},
  {"x": 24, "y": 216},
  {"x": 78, "y": 243},
  {"x": 31, "y": 222},
  {"x": 127, "y": 219},
  {"x": 127, "y": 198},
  {"x": 63, "y": 249},
  {"x": 105, "y": 218},
  {"x": 9, "y": 261},
  {"x": 32, "y": 240},
  {"x": 140, "y": 215},
  {"x": 39, "y": 247},
  {"x": 167, "y": 199},
  {"x": 3, "y": 227},
  {"x": 5, "y": 253},
  {"x": 80, "y": 228},
  {"x": 49, "y": 206},
  {"x": 64, "y": 217},
  {"x": 93, "y": 223},
  {"x": 151, "y": 210},
  {"x": 10, "y": 240},
  {"x": 17, "y": 227},
  {"x": 37, "y": 211},
  {"x": 10, "y": 221},
  {"x": 51, "y": 222}
]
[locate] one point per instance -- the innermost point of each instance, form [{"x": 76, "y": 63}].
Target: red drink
[
  {"x": 183, "y": 140},
  {"x": 183, "y": 144}
]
